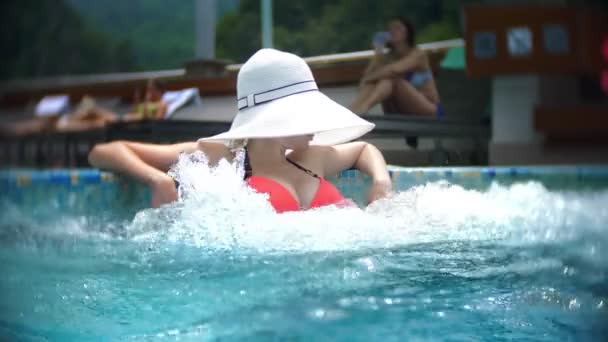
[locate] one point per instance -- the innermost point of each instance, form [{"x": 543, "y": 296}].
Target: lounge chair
[
  {"x": 179, "y": 98},
  {"x": 52, "y": 105}
]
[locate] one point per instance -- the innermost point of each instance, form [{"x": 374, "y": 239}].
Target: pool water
[{"x": 438, "y": 261}]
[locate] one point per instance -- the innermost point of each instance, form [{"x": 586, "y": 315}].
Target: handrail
[{"x": 366, "y": 54}]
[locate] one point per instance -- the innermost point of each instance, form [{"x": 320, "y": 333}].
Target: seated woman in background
[{"x": 401, "y": 80}]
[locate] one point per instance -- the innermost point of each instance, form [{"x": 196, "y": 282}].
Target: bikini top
[
  {"x": 282, "y": 200},
  {"x": 147, "y": 110},
  {"x": 418, "y": 78}
]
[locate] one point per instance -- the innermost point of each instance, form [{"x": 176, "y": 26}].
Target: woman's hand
[
  {"x": 378, "y": 49},
  {"x": 380, "y": 188},
  {"x": 163, "y": 190}
]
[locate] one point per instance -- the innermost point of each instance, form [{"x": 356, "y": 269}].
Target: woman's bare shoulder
[
  {"x": 215, "y": 151},
  {"x": 314, "y": 151},
  {"x": 314, "y": 156}
]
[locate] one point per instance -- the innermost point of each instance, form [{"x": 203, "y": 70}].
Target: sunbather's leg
[
  {"x": 410, "y": 100},
  {"x": 132, "y": 117},
  {"x": 29, "y": 126},
  {"x": 364, "y": 91},
  {"x": 79, "y": 125},
  {"x": 105, "y": 114},
  {"x": 94, "y": 113},
  {"x": 381, "y": 91}
]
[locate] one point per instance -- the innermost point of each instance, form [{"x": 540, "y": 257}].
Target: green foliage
[
  {"x": 312, "y": 27},
  {"x": 86, "y": 36},
  {"x": 234, "y": 36},
  {"x": 161, "y": 32},
  {"x": 43, "y": 38},
  {"x": 442, "y": 30}
]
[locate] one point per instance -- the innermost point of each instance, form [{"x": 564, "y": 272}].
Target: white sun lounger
[
  {"x": 52, "y": 105},
  {"x": 179, "y": 98}
]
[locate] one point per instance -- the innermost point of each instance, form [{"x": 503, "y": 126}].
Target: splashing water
[
  {"x": 436, "y": 261},
  {"x": 218, "y": 211}
]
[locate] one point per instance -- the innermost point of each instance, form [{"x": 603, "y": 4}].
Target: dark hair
[{"x": 411, "y": 31}]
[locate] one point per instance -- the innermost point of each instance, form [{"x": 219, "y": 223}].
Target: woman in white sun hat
[{"x": 295, "y": 137}]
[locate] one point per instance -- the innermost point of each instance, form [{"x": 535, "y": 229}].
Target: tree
[
  {"x": 311, "y": 27},
  {"x": 44, "y": 38}
]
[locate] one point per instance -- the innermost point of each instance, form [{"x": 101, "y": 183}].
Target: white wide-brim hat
[{"x": 277, "y": 96}]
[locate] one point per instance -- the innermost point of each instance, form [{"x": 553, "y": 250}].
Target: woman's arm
[
  {"x": 137, "y": 159},
  {"x": 376, "y": 61},
  {"x": 364, "y": 157},
  {"x": 149, "y": 163},
  {"x": 409, "y": 62}
]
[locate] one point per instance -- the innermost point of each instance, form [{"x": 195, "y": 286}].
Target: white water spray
[{"x": 218, "y": 211}]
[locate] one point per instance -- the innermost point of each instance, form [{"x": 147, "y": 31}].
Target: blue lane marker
[
  {"x": 490, "y": 173},
  {"x": 89, "y": 177},
  {"x": 60, "y": 177}
]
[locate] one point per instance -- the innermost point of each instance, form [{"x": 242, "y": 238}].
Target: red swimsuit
[{"x": 282, "y": 200}]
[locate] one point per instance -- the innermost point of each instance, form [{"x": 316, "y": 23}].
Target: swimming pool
[{"x": 457, "y": 254}]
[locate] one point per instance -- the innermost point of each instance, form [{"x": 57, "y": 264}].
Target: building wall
[{"x": 515, "y": 140}]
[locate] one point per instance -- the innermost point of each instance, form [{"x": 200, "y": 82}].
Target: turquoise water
[{"x": 522, "y": 260}]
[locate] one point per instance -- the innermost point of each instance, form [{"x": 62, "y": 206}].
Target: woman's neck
[{"x": 264, "y": 153}]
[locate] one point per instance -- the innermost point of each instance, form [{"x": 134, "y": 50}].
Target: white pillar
[
  {"x": 266, "y": 23},
  {"x": 205, "y": 12},
  {"x": 514, "y": 99},
  {"x": 513, "y": 102},
  {"x": 514, "y": 139}
]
